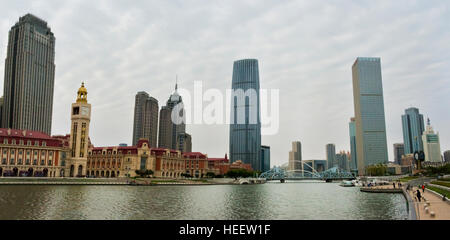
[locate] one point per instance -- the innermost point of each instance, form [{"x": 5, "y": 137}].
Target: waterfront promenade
[{"x": 433, "y": 202}]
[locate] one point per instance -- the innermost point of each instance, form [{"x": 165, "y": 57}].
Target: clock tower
[{"x": 79, "y": 134}]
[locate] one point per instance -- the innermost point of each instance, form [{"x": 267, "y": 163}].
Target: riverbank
[{"x": 114, "y": 181}]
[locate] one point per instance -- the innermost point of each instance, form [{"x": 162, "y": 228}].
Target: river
[{"x": 290, "y": 200}]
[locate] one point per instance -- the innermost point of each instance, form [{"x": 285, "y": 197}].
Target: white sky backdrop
[{"x": 305, "y": 49}]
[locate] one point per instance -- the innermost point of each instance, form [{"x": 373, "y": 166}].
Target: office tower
[
  {"x": 295, "y": 157},
  {"x": 342, "y": 161},
  {"x": 170, "y": 128},
  {"x": 265, "y": 158},
  {"x": 431, "y": 144},
  {"x": 353, "y": 154},
  {"x": 447, "y": 156},
  {"x": 145, "y": 119},
  {"x": 29, "y": 76},
  {"x": 413, "y": 127},
  {"x": 245, "y": 123},
  {"x": 371, "y": 144},
  {"x": 331, "y": 155},
  {"x": 399, "y": 151},
  {"x": 184, "y": 142}
]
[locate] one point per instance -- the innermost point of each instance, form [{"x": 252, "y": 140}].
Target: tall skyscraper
[
  {"x": 431, "y": 144},
  {"x": 170, "y": 128},
  {"x": 399, "y": 150},
  {"x": 331, "y": 155},
  {"x": 371, "y": 144},
  {"x": 353, "y": 154},
  {"x": 447, "y": 156},
  {"x": 145, "y": 119},
  {"x": 413, "y": 127},
  {"x": 29, "y": 76},
  {"x": 245, "y": 125},
  {"x": 265, "y": 158},
  {"x": 295, "y": 156},
  {"x": 342, "y": 161},
  {"x": 184, "y": 142}
]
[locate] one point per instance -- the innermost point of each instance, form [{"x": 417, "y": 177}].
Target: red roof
[
  {"x": 194, "y": 154},
  {"x": 5, "y": 132}
]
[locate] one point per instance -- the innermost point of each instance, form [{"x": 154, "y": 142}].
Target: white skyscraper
[{"x": 431, "y": 144}]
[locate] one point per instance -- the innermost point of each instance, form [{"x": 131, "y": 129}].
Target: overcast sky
[{"x": 305, "y": 49}]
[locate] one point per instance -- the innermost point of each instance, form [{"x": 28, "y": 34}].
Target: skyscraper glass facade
[
  {"x": 331, "y": 155},
  {"x": 371, "y": 144},
  {"x": 245, "y": 125},
  {"x": 413, "y": 128},
  {"x": 29, "y": 76},
  {"x": 353, "y": 155},
  {"x": 265, "y": 158}
]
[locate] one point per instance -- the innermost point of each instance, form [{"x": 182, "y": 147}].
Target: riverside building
[
  {"x": 29, "y": 76},
  {"x": 370, "y": 125}
]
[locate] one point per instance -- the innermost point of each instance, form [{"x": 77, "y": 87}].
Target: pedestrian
[
  {"x": 418, "y": 195},
  {"x": 423, "y": 188},
  {"x": 393, "y": 184}
]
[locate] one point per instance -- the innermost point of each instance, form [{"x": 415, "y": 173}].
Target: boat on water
[{"x": 347, "y": 184}]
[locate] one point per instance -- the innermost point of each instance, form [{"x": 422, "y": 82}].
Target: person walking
[
  {"x": 419, "y": 196},
  {"x": 393, "y": 184},
  {"x": 423, "y": 187}
]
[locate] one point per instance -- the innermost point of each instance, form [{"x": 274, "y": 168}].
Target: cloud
[{"x": 305, "y": 49}]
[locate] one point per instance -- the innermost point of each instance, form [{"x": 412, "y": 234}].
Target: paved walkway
[{"x": 439, "y": 207}]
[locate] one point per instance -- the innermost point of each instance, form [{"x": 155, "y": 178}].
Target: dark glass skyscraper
[
  {"x": 331, "y": 155},
  {"x": 245, "y": 125},
  {"x": 413, "y": 128},
  {"x": 29, "y": 76},
  {"x": 353, "y": 155}
]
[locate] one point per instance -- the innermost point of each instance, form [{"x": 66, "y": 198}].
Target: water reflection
[{"x": 268, "y": 201}]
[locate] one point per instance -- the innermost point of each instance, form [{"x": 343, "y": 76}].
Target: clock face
[{"x": 84, "y": 111}]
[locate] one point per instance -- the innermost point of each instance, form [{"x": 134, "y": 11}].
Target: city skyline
[{"x": 397, "y": 76}]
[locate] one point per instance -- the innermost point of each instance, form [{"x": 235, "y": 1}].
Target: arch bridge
[{"x": 331, "y": 174}]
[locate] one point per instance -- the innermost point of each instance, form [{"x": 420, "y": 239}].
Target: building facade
[
  {"x": 295, "y": 157},
  {"x": 312, "y": 167},
  {"x": 371, "y": 143},
  {"x": 399, "y": 151},
  {"x": 30, "y": 154},
  {"x": 431, "y": 144},
  {"x": 265, "y": 158},
  {"x": 447, "y": 156},
  {"x": 145, "y": 123},
  {"x": 245, "y": 123},
  {"x": 353, "y": 154},
  {"x": 342, "y": 161},
  {"x": 29, "y": 76},
  {"x": 331, "y": 155},
  {"x": 170, "y": 128},
  {"x": 413, "y": 127},
  {"x": 184, "y": 142}
]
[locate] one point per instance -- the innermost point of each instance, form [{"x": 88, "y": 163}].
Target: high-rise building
[
  {"x": 145, "y": 119},
  {"x": 342, "y": 161},
  {"x": 295, "y": 157},
  {"x": 29, "y": 76},
  {"x": 447, "y": 156},
  {"x": 184, "y": 142},
  {"x": 353, "y": 154},
  {"x": 371, "y": 144},
  {"x": 265, "y": 158},
  {"x": 413, "y": 127},
  {"x": 431, "y": 144},
  {"x": 399, "y": 151},
  {"x": 331, "y": 155},
  {"x": 1, "y": 110},
  {"x": 170, "y": 128},
  {"x": 245, "y": 123}
]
